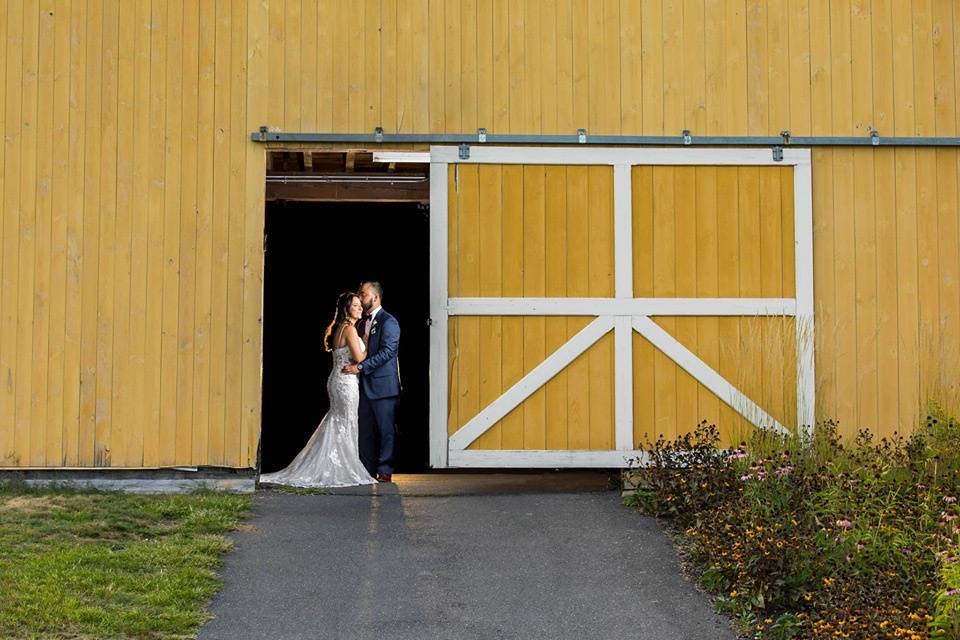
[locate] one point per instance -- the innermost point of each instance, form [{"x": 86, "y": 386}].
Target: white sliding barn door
[{"x": 535, "y": 310}]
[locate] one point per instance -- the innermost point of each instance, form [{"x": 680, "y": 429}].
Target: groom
[{"x": 379, "y": 383}]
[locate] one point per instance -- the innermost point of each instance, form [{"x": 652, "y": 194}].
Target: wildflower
[
  {"x": 733, "y": 594},
  {"x": 949, "y": 499},
  {"x": 951, "y": 592},
  {"x": 844, "y": 524}
]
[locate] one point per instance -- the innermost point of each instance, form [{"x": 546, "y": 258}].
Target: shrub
[
  {"x": 818, "y": 538},
  {"x": 944, "y": 435}
]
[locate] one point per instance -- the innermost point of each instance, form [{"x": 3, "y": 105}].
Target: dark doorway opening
[{"x": 315, "y": 251}]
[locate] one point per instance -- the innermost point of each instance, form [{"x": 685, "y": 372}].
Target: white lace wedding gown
[{"x": 331, "y": 458}]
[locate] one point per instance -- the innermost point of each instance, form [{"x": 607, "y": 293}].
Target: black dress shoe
[{"x": 384, "y": 477}]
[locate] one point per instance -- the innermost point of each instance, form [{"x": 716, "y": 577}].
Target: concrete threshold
[{"x": 472, "y": 483}]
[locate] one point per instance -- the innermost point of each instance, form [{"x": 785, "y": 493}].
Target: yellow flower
[{"x": 733, "y": 594}]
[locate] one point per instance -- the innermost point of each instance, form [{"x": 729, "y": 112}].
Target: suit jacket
[{"x": 380, "y": 375}]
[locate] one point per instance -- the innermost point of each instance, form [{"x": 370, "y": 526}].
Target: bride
[{"x": 330, "y": 458}]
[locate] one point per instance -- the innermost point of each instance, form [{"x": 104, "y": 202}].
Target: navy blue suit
[{"x": 379, "y": 393}]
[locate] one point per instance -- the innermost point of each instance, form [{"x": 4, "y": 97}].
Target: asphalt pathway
[{"x": 484, "y": 565}]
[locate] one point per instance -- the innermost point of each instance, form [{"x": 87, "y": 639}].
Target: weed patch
[{"x": 818, "y": 538}]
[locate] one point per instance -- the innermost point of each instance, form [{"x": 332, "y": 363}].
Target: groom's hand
[{"x": 351, "y": 369}]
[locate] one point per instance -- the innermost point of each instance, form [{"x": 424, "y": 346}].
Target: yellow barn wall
[{"x": 132, "y": 198}]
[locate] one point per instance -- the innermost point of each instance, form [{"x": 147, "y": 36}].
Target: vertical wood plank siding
[
  {"x": 705, "y": 232},
  {"x": 132, "y": 201},
  {"x": 553, "y": 238}
]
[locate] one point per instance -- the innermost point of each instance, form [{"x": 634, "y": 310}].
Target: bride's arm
[{"x": 353, "y": 341}]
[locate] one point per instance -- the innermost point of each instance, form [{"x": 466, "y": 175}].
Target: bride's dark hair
[{"x": 344, "y": 300}]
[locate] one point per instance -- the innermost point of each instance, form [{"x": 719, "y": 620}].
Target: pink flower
[{"x": 844, "y": 524}]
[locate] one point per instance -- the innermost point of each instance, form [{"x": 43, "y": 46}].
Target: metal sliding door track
[{"x": 685, "y": 139}]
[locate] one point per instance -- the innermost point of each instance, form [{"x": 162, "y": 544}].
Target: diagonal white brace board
[
  {"x": 528, "y": 384},
  {"x": 705, "y": 374}
]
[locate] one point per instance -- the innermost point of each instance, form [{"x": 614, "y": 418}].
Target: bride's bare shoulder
[
  {"x": 347, "y": 333},
  {"x": 342, "y": 334}
]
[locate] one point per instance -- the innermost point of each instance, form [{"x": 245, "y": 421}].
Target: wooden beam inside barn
[
  {"x": 344, "y": 176},
  {"x": 349, "y": 191}
]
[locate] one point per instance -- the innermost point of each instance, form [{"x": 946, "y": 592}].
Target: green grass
[{"x": 110, "y": 565}]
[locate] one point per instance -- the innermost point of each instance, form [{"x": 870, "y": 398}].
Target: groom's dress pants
[{"x": 377, "y": 433}]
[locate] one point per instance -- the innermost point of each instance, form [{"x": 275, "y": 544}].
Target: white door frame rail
[{"x": 623, "y": 314}]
